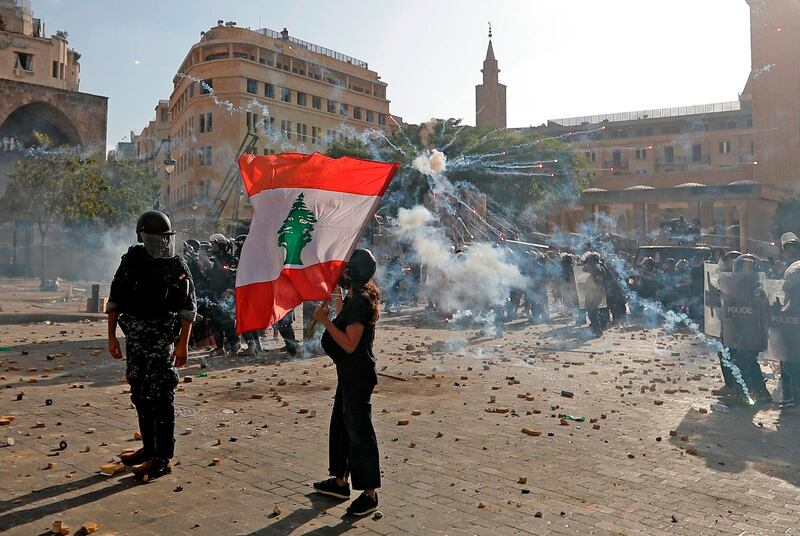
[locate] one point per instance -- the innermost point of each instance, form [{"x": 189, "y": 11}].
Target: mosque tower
[{"x": 490, "y": 97}]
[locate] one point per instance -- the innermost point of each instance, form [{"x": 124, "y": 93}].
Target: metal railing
[
  {"x": 316, "y": 48},
  {"x": 658, "y": 113}
]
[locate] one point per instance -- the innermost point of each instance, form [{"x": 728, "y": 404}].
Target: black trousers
[
  {"x": 156, "y": 423},
  {"x": 284, "y": 327},
  {"x": 747, "y": 361},
  {"x": 790, "y": 380},
  {"x": 353, "y": 448}
]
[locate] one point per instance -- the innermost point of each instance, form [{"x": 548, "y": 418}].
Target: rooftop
[
  {"x": 658, "y": 113},
  {"x": 314, "y": 48}
]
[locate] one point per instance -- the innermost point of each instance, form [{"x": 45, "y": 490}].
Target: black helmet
[
  {"x": 153, "y": 222},
  {"x": 591, "y": 257},
  {"x": 726, "y": 261},
  {"x": 648, "y": 263},
  {"x": 194, "y": 244},
  {"x": 219, "y": 243},
  {"x": 362, "y": 266},
  {"x": 746, "y": 264},
  {"x": 240, "y": 239}
]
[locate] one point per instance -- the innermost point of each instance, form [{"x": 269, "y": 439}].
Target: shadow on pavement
[
  {"x": 298, "y": 518},
  {"x": 730, "y": 442},
  {"x": 23, "y": 517}
]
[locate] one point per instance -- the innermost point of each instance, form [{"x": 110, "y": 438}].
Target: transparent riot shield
[
  {"x": 784, "y": 325},
  {"x": 745, "y": 311},
  {"x": 591, "y": 294},
  {"x": 712, "y": 300}
]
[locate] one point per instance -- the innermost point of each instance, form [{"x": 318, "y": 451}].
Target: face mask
[
  {"x": 344, "y": 281},
  {"x": 159, "y": 246}
]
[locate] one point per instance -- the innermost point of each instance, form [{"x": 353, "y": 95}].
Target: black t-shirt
[{"x": 358, "y": 367}]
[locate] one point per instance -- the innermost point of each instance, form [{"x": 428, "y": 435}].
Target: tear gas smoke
[{"x": 431, "y": 163}]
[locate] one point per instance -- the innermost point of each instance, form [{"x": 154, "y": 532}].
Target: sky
[{"x": 559, "y": 58}]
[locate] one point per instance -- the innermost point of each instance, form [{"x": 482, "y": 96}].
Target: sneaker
[
  {"x": 152, "y": 469},
  {"x": 331, "y": 488},
  {"x": 364, "y": 505},
  {"x": 134, "y": 458}
]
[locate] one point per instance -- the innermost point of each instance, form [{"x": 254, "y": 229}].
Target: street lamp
[{"x": 169, "y": 162}]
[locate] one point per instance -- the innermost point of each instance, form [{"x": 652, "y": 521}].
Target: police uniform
[
  {"x": 151, "y": 297},
  {"x": 745, "y": 317}
]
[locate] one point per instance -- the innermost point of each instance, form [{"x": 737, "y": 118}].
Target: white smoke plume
[
  {"x": 431, "y": 163},
  {"x": 478, "y": 279}
]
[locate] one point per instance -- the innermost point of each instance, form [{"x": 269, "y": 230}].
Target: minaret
[{"x": 490, "y": 97}]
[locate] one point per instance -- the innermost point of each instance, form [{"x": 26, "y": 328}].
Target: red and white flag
[{"x": 308, "y": 213}]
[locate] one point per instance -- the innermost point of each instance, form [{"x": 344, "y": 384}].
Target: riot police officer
[
  {"x": 745, "y": 317},
  {"x": 730, "y": 388},
  {"x": 152, "y": 298},
  {"x": 220, "y": 296},
  {"x": 790, "y": 370}
]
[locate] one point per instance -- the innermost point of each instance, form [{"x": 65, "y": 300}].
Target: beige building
[
  {"x": 27, "y": 55},
  {"x": 39, "y": 81},
  {"x": 292, "y": 94},
  {"x": 726, "y": 164}
]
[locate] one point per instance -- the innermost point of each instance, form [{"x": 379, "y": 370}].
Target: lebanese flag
[{"x": 308, "y": 213}]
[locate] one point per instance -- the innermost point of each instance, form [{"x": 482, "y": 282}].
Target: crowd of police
[{"x": 213, "y": 266}]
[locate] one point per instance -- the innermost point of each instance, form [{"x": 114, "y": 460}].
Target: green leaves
[
  {"x": 518, "y": 169},
  {"x": 59, "y": 185}
]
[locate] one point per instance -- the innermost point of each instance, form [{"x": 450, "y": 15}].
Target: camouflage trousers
[{"x": 153, "y": 379}]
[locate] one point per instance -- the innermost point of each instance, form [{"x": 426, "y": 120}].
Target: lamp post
[{"x": 169, "y": 166}]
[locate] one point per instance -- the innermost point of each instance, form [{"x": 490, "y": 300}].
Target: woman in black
[{"x": 348, "y": 341}]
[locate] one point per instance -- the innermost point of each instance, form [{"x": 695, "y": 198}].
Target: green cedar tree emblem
[{"x": 296, "y": 230}]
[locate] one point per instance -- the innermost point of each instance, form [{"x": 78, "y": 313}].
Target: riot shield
[
  {"x": 784, "y": 325},
  {"x": 565, "y": 285},
  {"x": 745, "y": 311},
  {"x": 591, "y": 294},
  {"x": 712, "y": 300}
]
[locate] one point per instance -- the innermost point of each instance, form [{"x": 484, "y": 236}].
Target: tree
[
  {"x": 133, "y": 189},
  {"x": 54, "y": 185},
  {"x": 518, "y": 169},
  {"x": 296, "y": 230}
]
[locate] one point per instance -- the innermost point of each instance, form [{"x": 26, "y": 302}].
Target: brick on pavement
[{"x": 460, "y": 476}]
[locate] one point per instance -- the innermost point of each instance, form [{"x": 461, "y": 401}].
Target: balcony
[
  {"x": 683, "y": 162},
  {"x": 616, "y": 167}
]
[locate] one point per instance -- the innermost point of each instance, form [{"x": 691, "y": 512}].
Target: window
[
  {"x": 286, "y": 94},
  {"x": 724, "y": 147},
  {"x": 302, "y": 132},
  {"x": 63, "y": 74},
  {"x": 269, "y": 90},
  {"x": 269, "y": 125},
  {"x": 301, "y": 99},
  {"x": 616, "y": 158},
  {"x": 697, "y": 152},
  {"x": 206, "y": 86},
  {"x": 23, "y": 61},
  {"x": 191, "y": 90},
  {"x": 252, "y": 86},
  {"x": 252, "y": 121},
  {"x": 356, "y": 112},
  {"x": 332, "y": 106},
  {"x": 370, "y": 116},
  {"x": 286, "y": 129},
  {"x": 669, "y": 154},
  {"x": 344, "y": 110},
  {"x": 316, "y": 102},
  {"x": 382, "y": 119},
  {"x": 55, "y": 69},
  {"x": 330, "y": 136},
  {"x": 205, "y": 156},
  {"x": 641, "y": 154},
  {"x": 315, "y": 135},
  {"x": 206, "y": 122}
]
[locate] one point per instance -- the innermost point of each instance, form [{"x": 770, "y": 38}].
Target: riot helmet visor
[{"x": 159, "y": 246}]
